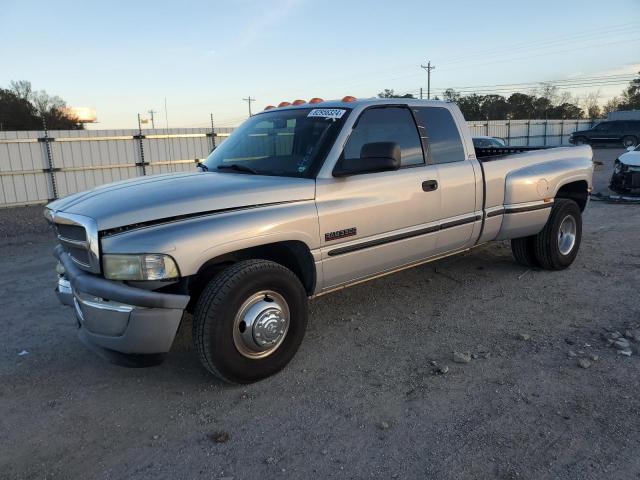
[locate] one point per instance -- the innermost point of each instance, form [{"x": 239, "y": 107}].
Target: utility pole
[
  {"x": 428, "y": 67},
  {"x": 151, "y": 112},
  {"x": 249, "y": 100}
]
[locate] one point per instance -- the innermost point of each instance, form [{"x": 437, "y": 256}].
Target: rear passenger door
[
  {"x": 457, "y": 179},
  {"x": 606, "y": 132}
]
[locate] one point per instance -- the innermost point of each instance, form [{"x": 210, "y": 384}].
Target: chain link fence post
[
  {"x": 141, "y": 163},
  {"x": 50, "y": 168},
  {"x": 212, "y": 134}
]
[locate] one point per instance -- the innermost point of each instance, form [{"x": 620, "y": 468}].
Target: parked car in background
[
  {"x": 488, "y": 142},
  {"x": 626, "y": 172},
  {"x": 617, "y": 132}
]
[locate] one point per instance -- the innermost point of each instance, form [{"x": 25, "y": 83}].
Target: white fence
[
  {"x": 532, "y": 133},
  {"x": 36, "y": 167}
]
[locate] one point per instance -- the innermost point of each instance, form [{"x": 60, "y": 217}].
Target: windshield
[{"x": 291, "y": 143}]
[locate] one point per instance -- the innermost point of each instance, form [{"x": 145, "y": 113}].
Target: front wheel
[
  {"x": 556, "y": 246},
  {"x": 250, "y": 321}
]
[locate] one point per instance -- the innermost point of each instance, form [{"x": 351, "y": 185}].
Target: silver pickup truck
[{"x": 301, "y": 200}]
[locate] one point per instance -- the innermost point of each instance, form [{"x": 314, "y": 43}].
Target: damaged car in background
[{"x": 626, "y": 172}]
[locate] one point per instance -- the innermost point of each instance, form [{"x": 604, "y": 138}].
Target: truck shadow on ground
[{"x": 422, "y": 291}]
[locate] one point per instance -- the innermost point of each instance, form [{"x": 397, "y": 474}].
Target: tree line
[
  {"x": 547, "y": 102},
  {"x": 22, "y": 108}
]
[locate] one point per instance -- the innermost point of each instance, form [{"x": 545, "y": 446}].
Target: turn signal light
[
  {"x": 349, "y": 98},
  {"x": 299, "y": 102},
  {"x": 316, "y": 100},
  {"x": 283, "y": 104},
  {"x": 269, "y": 107}
]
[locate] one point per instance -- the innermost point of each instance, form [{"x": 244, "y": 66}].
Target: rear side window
[
  {"x": 605, "y": 126},
  {"x": 443, "y": 138},
  {"x": 389, "y": 124}
]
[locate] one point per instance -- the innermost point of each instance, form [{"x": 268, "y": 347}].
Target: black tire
[
  {"x": 547, "y": 248},
  {"x": 580, "y": 141},
  {"x": 215, "y": 313},
  {"x": 629, "y": 141},
  {"x": 524, "y": 251}
]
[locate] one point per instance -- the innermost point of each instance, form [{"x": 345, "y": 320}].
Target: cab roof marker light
[
  {"x": 283, "y": 104},
  {"x": 269, "y": 107},
  {"x": 298, "y": 102},
  {"x": 348, "y": 99},
  {"x": 316, "y": 100}
]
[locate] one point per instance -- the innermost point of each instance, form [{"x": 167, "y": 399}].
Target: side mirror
[
  {"x": 631, "y": 148},
  {"x": 374, "y": 157}
]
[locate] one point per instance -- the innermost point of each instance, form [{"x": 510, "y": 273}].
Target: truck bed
[{"x": 492, "y": 153}]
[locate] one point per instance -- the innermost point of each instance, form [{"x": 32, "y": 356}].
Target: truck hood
[{"x": 160, "y": 197}]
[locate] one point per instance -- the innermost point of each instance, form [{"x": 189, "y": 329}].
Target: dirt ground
[{"x": 362, "y": 398}]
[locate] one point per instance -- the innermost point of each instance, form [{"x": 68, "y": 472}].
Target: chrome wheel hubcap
[
  {"x": 261, "y": 324},
  {"x": 567, "y": 235}
]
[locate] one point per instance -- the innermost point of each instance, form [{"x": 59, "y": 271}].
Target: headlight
[
  {"x": 139, "y": 267},
  {"x": 618, "y": 166}
]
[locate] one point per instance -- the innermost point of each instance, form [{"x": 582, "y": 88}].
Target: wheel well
[
  {"x": 576, "y": 191},
  {"x": 294, "y": 255}
]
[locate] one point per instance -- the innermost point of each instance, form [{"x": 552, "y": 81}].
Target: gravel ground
[{"x": 373, "y": 391}]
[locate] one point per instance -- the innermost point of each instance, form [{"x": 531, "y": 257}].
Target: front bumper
[
  {"x": 118, "y": 317},
  {"x": 625, "y": 180}
]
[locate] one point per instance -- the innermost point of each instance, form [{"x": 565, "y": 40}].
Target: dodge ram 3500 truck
[{"x": 299, "y": 201}]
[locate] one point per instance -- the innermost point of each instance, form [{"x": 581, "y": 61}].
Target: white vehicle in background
[{"x": 626, "y": 172}]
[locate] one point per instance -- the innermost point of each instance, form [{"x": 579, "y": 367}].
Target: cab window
[
  {"x": 441, "y": 132},
  {"x": 387, "y": 124}
]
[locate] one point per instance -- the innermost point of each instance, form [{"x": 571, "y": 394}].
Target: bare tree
[
  {"x": 612, "y": 105},
  {"x": 591, "y": 104},
  {"x": 22, "y": 88}
]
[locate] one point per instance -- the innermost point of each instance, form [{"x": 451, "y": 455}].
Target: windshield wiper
[{"x": 238, "y": 168}]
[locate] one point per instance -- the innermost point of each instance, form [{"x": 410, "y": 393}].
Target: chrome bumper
[{"x": 118, "y": 317}]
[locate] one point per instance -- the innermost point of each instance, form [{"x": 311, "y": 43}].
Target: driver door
[{"x": 374, "y": 222}]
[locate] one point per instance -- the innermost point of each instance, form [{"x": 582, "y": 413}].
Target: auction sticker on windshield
[{"x": 327, "y": 112}]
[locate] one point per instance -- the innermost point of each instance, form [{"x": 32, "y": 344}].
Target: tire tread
[
  {"x": 544, "y": 252},
  {"x": 523, "y": 250},
  {"x": 213, "y": 295}
]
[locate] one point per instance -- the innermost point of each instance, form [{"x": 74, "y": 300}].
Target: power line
[
  {"x": 592, "y": 34},
  {"x": 570, "y": 83},
  {"x": 562, "y": 39},
  {"x": 559, "y": 82}
]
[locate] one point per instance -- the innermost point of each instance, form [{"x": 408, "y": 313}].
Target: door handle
[{"x": 430, "y": 185}]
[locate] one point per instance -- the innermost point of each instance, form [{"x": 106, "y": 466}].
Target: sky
[{"x": 204, "y": 57}]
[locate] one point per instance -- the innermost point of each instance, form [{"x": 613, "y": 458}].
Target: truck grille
[
  {"x": 72, "y": 232},
  {"x": 78, "y": 236}
]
